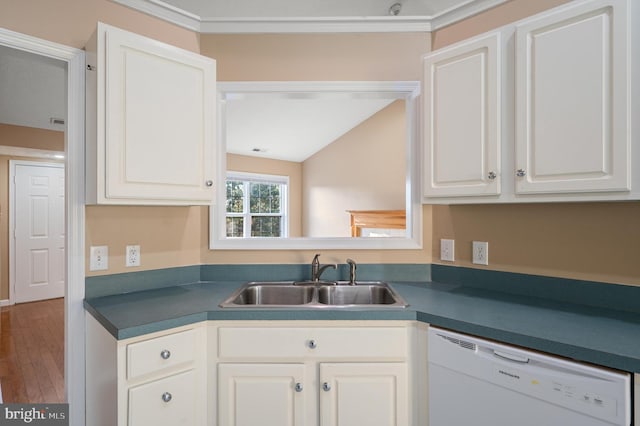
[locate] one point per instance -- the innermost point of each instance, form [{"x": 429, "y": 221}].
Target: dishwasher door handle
[{"x": 511, "y": 357}]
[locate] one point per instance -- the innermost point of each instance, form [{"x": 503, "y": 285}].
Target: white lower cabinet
[
  {"x": 266, "y": 373},
  {"x": 168, "y": 401},
  {"x": 261, "y": 394},
  {"x": 312, "y": 375},
  {"x": 156, "y": 379},
  {"x": 372, "y": 394}
]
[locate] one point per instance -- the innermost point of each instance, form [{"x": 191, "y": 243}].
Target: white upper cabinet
[
  {"x": 537, "y": 111},
  {"x": 462, "y": 119},
  {"x": 572, "y": 98},
  {"x": 150, "y": 121}
]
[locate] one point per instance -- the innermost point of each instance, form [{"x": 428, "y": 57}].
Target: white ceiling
[
  {"x": 280, "y": 16},
  {"x": 292, "y": 129},
  {"x": 32, "y": 89}
]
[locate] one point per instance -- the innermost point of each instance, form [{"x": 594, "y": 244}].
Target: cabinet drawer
[
  {"x": 382, "y": 343},
  {"x": 169, "y": 401},
  {"x": 162, "y": 352}
]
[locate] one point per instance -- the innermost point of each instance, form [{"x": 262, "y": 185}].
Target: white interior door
[{"x": 39, "y": 231}]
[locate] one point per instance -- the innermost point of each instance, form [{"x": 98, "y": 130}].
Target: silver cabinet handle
[
  {"x": 312, "y": 344},
  {"x": 298, "y": 387},
  {"x": 166, "y": 397},
  {"x": 209, "y": 183},
  {"x": 492, "y": 175},
  {"x": 165, "y": 354},
  {"x": 520, "y": 172},
  {"x": 326, "y": 387}
]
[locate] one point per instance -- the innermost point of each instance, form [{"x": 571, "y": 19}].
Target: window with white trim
[{"x": 256, "y": 205}]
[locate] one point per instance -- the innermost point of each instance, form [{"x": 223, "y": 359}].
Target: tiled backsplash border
[
  {"x": 589, "y": 293},
  {"x": 105, "y": 285}
]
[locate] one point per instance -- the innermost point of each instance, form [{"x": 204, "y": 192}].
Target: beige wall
[
  {"x": 168, "y": 236},
  {"x": 602, "y": 245},
  {"x": 594, "y": 241},
  {"x": 362, "y": 170},
  {"x": 389, "y": 56},
  {"x": 29, "y": 137},
  {"x": 510, "y": 11},
  {"x": 243, "y": 163},
  {"x": 71, "y": 22}
]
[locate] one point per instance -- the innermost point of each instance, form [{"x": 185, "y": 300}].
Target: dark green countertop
[{"x": 597, "y": 335}]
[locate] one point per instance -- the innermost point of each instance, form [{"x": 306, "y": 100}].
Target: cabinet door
[
  {"x": 262, "y": 394},
  {"x": 572, "y": 97},
  {"x": 462, "y": 119},
  {"x": 159, "y": 119},
  {"x": 372, "y": 394},
  {"x": 171, "y": 401}
]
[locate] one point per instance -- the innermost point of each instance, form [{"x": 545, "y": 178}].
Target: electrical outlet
[
  {"x": 99, "y": 258},
  {"x": 480, "y": 253},
  {"x": 447, "y": 250},
  {"x": 132, "y": 256}
]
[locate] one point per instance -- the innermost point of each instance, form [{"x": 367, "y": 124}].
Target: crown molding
[
  {"x": 164, "y": 11},
  {"x": 468, "y": 10},
  {"x": 355, "y": 24}
]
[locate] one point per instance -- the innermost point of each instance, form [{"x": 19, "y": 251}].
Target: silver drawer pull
[
  {"x": 298, "y": 387},
  {"x": 165, "y": 354},
  {"x": 520, "y": 173},
  {"x": 166, "y": 397},
  {"x": 209, "y": 183},
  {"x": 326, "y": 387},
  {"x": 312, "y": 344},
  {"x": 492, "y": 175}
]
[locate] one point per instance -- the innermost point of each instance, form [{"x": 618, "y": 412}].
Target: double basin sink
[{"x": 310, "y": 294}]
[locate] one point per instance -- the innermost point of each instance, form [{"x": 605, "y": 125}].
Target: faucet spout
[
  {"x": 317, "y": 269},
  {"x": 352, "y": 271}
]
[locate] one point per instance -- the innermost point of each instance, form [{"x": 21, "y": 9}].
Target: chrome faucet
[
  {"x": 352, "y": 271},
  {"x": 317, "y": 270}
]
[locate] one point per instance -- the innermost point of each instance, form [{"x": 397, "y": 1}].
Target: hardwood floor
[{"x": 32, "y": 352}]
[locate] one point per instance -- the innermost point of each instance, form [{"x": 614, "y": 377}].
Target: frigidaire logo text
[{"x": 514, "y": 376}]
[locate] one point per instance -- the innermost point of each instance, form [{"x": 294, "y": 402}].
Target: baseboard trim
[{"x": 4, "y": 302}]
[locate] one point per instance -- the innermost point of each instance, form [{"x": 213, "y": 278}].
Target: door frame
[
  {"x": 74, "y": 325},
  {"x": 12, "y": 217}
]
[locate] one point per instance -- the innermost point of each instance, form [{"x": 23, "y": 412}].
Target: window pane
[
  {"x": 235, "y": 226},
  {"x": 265, "y": 226},
  {"x": 264, "y": 198},
  {"x": 235, "y": 192}
]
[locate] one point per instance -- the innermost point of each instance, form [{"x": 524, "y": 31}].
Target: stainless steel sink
[
  {"x": 309, "y": 294},
  {"x": 372, "y": 294},
  {"x": 273, "y": 294}
]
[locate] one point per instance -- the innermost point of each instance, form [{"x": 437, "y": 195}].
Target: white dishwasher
[{"x": 474, "y": 381}]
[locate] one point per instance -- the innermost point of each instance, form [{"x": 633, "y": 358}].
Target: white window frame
[{"x": 246, "y": 214}]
